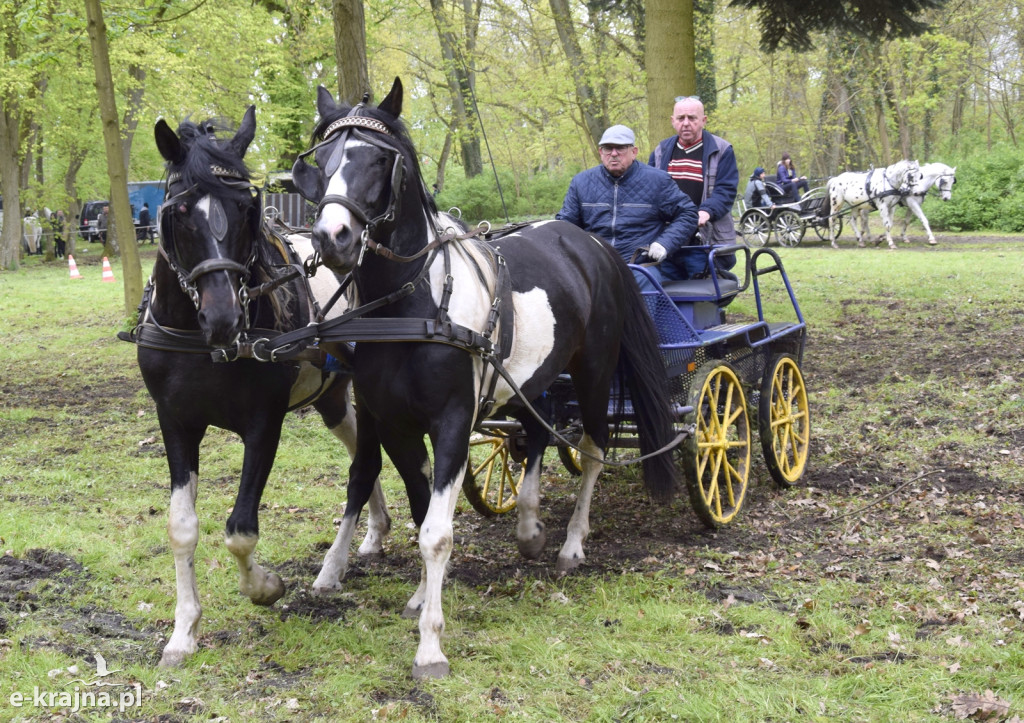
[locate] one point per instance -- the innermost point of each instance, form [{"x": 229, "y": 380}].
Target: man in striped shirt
[{"x": 704, "y": 167}]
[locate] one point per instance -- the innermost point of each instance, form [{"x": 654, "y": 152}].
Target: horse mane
[
  {"x": 207, "y": 150},
  {"x": 400, "y": 139}
]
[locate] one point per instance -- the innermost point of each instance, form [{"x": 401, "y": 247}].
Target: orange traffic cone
[
  {"x": 108, "y": 273},
  {"x": 73, "y": 267}
]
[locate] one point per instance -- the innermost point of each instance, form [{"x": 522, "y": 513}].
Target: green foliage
[
  {"x": 989, "y": 194},
  {"x": 539, "y": 196}
]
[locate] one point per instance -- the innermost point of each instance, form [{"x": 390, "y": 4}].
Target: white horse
[
  {"x": 877, "y": 188},
  {"x": 939, "y": 175},
  {"x": 32, "y": 229}
]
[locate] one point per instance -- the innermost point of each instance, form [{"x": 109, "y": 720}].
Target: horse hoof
[
  {"x": 860, "y": 244},
  {"x": 433, "y": 670},
  {"x": 326, "y": 590},
  {"x": 532, "y": 548},
  {"x": 933, "y": 242},
  {"x": 566, "y": 565},
  {"x": 274, "y": 589},
  {"x": 835, "y": 245},
  {"x": 410, "y": 613},
  {"x": 172, "y": 658}
]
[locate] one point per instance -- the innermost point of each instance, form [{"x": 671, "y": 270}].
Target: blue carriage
[{"x": 732, "y": 385}]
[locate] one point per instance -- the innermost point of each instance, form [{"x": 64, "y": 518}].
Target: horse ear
[
  {"x": 246, "y": 131},
  {"x": 324, "y": 101},
  {"x": 168, "y": 143},
  {"x": 393, "y": 103},
  {"x": 307, "y": 180}
]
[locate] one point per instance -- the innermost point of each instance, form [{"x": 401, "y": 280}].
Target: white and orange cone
[
  {"x": 108, "y": 273},
  {"x": 73, "y": 267}
]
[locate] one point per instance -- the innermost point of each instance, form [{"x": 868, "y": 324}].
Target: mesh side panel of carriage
[
  {"x": 680, "y": 367},
  {"x": 672, "y": 328},
  {"x": 750, "y": 366}
]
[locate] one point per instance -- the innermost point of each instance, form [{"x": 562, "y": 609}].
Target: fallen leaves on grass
[{"x": 980, "y": 706}]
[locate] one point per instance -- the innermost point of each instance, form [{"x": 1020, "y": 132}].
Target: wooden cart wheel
[
  {"x": 755, "y": 228},
  {"x": 789, "y": 228},
  {"x": 821, "y": 228},
  {"x": 571, "y": 460},
  {"x": 493, "y": 477},
  {"x": 716, "y": 459},
  {"x": 784, "y": 420}
]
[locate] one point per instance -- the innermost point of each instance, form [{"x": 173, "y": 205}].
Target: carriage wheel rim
[
  {"x": 723, "y": 445},
  {"x": 496, "y": 484},
  {"x": 789, "y": 420}
]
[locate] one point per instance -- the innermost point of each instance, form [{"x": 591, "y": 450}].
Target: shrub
[
  {"x": 989, "y": 194},
  {"x": 538, "y": 196}
]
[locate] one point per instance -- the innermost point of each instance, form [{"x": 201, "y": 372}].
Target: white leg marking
[
  {"x": 260, "y": 586},
  {"x": 336, "y": 560},
  {"x": 571, "y": 555},
  {"x": 378, "y": 521},
  {"x": 183, "y": 534},
  {"x": 530, "y": 532},
  {"x": 415, "y": 604},
  {"x": 436, "y": 548}
]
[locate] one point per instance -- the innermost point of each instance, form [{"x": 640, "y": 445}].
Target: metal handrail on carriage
[{"x": 716, "y": 370}]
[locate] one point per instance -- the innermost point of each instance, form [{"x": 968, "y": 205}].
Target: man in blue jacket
[
  {"x": 704, "y": 166},
  {"x": 631, "y": 205}
]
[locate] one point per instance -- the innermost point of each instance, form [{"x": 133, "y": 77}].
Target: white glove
[{"x": 657, "y": 252}]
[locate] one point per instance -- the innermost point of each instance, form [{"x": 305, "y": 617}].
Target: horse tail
[{"x": 642, "y": 368}]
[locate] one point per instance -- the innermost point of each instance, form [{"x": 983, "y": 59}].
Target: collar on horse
[{"x": 901, "y": 190}]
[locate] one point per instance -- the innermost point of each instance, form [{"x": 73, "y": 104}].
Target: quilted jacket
[{"x": 641, "y": 206}]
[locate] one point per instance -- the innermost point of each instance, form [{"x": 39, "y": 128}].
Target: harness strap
[
  {"x": 554, "y": 433},
  {"x": 391, "y": 329}
]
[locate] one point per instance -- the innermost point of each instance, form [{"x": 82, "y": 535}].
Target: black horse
[
  {"x": 542, "y": 299},
  {"x": 199, "y": 304}
]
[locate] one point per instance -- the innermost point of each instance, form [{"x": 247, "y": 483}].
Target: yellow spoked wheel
[
  {"x": 493, "y": 478},
  {"x": 571, "y": 460},
  {"x": 716, "y": 459},
  {"x": 784, "y": 420}
]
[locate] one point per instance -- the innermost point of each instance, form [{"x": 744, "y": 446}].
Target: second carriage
[
  {"x": 732, "y": 386},
  {"x": 787, "y": 220}
]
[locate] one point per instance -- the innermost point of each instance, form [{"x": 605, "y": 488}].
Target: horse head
[
  {"x": 357, "y": 173},
  {"x": 945, "y": 181},
  {"x": 210, "y": 221},
  {"x": 903, "y": 175}
]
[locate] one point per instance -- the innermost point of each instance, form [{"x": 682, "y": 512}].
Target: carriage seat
[{"x": 704, "y": 289}]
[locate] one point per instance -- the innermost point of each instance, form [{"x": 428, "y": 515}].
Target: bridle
[
  {"x": 339, "y": 132},
  {"x": 188, "y": 278}
]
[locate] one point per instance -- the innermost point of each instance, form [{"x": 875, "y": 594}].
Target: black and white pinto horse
[
  {"x": 933, "y": 175},
  {"x": 879, "y": 188},
  {"x": 551, "y": 298},
  {"x": 198, "y": 303}
]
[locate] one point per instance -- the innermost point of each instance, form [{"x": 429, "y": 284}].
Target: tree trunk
[
  {"x": 121, "y": 207},
  {"x": 671, "y": 63},
  {"x": 460, "y": 85},
  {"x": 350, "y": 50},
  {"x": 10, "y": 141},
  {"x": 590, "y": 111}
]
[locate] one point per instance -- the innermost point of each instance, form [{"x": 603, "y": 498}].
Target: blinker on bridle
[{"x": 218, "y": 227}]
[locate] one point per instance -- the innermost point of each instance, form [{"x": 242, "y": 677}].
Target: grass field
[{"x": 888, "y": 586}]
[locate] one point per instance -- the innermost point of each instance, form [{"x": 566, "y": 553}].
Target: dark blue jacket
[
  {"x": 641, "y": 206},
  {"x": 721, "y": 181}
]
